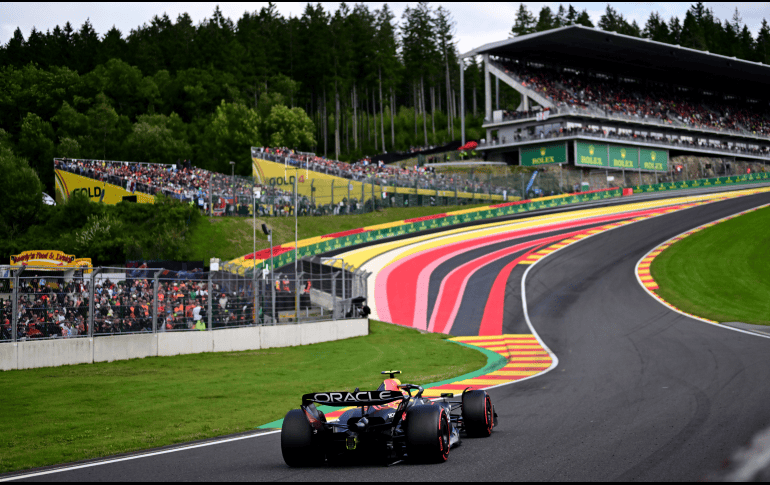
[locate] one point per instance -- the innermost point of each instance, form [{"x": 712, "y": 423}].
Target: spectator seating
[{"x": 620, "y": 96}]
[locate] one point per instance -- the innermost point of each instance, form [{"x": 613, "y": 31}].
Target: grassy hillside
[
  {"x": 231, "y": 237},
  {"x": 721, "y": 272}
]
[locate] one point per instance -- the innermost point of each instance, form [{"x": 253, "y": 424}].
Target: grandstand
[{"x": 600, "y": 100}]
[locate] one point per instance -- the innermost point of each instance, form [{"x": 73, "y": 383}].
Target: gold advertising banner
[
  {"x": 68, "y": 183},
  {"x": 55, "y": 260}
]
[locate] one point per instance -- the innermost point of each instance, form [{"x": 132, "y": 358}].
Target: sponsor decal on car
[{"x": 353, "y": 398}]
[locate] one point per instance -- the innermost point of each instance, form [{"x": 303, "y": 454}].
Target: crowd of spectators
[
  {"x": 50, "y": 307},
  {"x": 620, "y": 96},
  {"x": 638, "y": 136},
  {"x": 380, "y": 174},
  {"x": 180, "y": 180}
]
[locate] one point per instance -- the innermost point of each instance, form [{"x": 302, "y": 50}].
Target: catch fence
[{"x": 38, "y": 303}]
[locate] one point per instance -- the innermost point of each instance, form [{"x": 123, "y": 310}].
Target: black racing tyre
[
  {"x": 427, "y": 434},
  {"x": 299, "y": 446},
  {"x": 478, "y": 414}
]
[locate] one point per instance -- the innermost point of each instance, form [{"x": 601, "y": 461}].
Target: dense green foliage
[
  {"x": 168, "y": 230},
  {"x": 347, "y": 83},
  {"x": 108, "y": 234},
  {"x": 145, "y": 403},
  {"x": 721, "y": 272},
  {"x": 324, "y": 81}
]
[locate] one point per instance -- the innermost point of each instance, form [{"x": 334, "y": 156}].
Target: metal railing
[
  {"x": 45, "y": 304},
  {"x": 663, "y": 141}
]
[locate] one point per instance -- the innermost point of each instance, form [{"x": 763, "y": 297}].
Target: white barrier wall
[
  {"x": 176, "y": 343},
  {"x": 236, "y": 339},
  {"x": 53, "y": 353},
  {"x": 124, "y": 347}
]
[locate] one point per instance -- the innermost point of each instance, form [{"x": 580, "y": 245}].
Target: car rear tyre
[
  {"x": 427, "y": 434},
  {"x": 478, "y": 414},
  {"x": 299, "y": 446}
]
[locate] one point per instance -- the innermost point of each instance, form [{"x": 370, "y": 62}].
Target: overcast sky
[{"x": 477, "y": 23}]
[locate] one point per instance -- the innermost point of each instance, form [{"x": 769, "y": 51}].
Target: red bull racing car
[{"x": 390, "y": 424}]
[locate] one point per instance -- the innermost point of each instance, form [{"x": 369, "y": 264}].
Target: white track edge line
[
  {"x": 555, "y": 359},
  {"x": 668, "y": 305},
  {"x": 134, "y": 457},
  {"x": 554, "y": 364}
]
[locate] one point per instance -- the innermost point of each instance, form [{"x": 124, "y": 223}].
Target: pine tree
[
  {"x": 656, "y": 28},
  {"x": 386, "y": 44},
  {"x": 561, "y": 17},
  {"x": 15, "y": 50},
  {"x": 762, "y": 45},
  {"x": 675, "y": 28},
  {"x": 584, "y": 19},
  {"x": 445, "y": 42},
  {"x": 692, "y": 32},
  {"x": 87, "y": 47},
  {"x": 545, "y": 20},
  {"x": 525, "y": 22},
  {"x": 572, "y": 15}
]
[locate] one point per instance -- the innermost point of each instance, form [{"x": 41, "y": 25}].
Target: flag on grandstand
[{"x": 531, "y": 181}]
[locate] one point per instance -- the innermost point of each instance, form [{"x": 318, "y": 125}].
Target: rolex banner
[
  {"x": 656, "y": 160},
  {"x": 601, "y": 155},
  {"x": 545, "y": 154},
  {"x": 588, "y": 154},
  {"x": 624, "y": 157}
]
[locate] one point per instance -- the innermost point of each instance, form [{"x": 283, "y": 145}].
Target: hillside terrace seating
[
  {"x": 180, "y": 181},
  {"x": 365, "y": 171}
]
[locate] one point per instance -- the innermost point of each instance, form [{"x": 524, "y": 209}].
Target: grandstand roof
[{"x": 597, "y": 50}]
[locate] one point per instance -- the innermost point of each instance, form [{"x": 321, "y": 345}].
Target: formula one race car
[{"x": 389, "y": 425}]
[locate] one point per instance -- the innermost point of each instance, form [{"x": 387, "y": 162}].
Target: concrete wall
[
  {"x": 235, "y": 339},
  {"x": 52, "y": 353},
  {"x": 282, "y": 335},
  {"x": 8, "y": 356},
  {"x": 124, "y": 347},
  {"x": 175, "y": 343}
]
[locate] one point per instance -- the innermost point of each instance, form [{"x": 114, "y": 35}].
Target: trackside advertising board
[
  {"x": 318, "y": 245},
  {"x": 711, "y": 182},
  {"x": 545, "y": 154},
  {"x": 589, "y": 154},
  {"x": 624, "y": 157},
  {"x": 656, "y": 160},
  {"x": 603, "y": 155},
  {"x": 68, "y": 183}
]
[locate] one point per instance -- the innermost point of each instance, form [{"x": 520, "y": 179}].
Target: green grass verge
[
  {"x": 720, "y": 273},
  {"x": 231, "y": 237},
  {"x": 64, "y": 414}
]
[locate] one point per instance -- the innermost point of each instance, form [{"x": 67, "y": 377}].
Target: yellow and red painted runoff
[
  {"x": 644, "y": 275},
  {"x": 518, "y": 356},
  {"x": 523, "y": 356}
]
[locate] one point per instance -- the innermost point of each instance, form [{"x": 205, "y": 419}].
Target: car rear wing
[{"x": 355, "y": 398}]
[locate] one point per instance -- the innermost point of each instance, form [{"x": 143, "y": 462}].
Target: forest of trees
[
  {"x": 699, "y": 29},
  {"x": 175, "y": 90},
  {"x": 345, "y": 84}
]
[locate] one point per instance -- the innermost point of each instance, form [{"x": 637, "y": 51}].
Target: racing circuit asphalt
[{"x": 640, "y": 392}]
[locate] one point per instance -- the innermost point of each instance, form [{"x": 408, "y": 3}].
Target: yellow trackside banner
[
  {"x": 321, "y": 186},
  {"x": 68, "y": 183}
]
